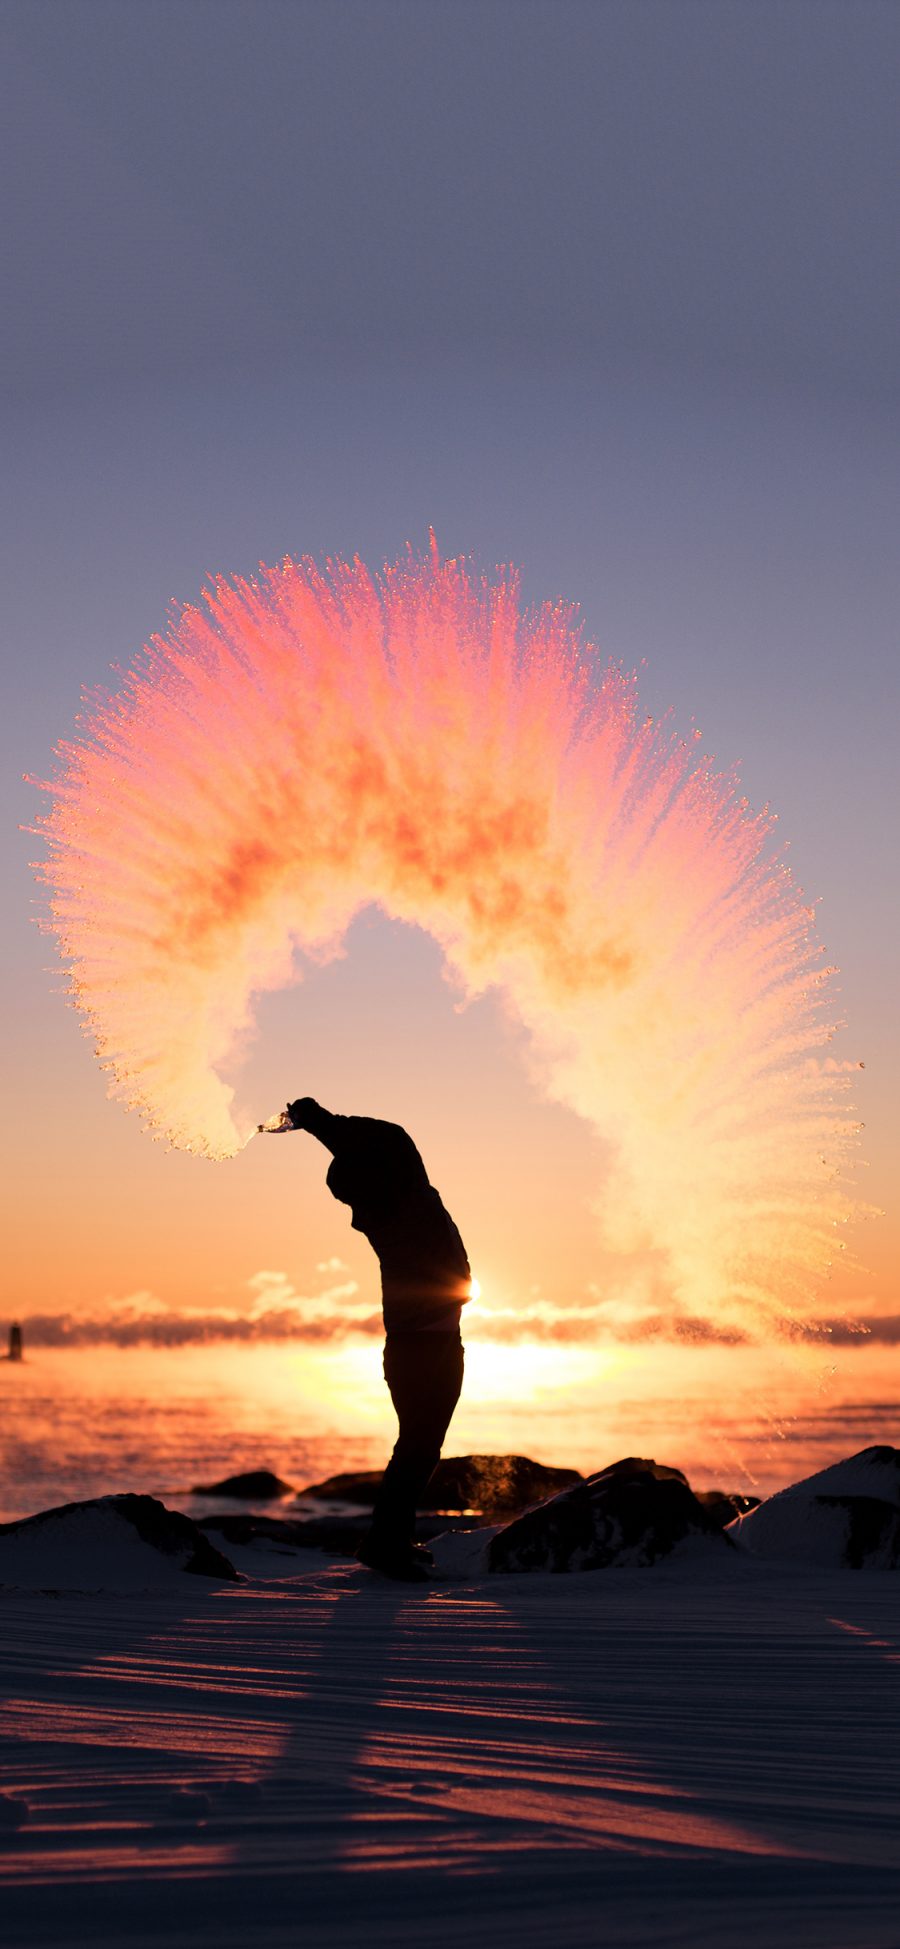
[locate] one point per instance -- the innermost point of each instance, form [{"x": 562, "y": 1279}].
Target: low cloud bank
[
  {"x": 277, "y": 1311},
  {"x": 172, "y": 1329},
  {"x": 885, "y": 1329},
  {"x": 337, "y": 1313}
]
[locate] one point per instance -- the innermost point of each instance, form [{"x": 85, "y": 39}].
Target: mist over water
[
  {"x": 313, "y": 741},
  {"x": 96, "y": 1421}
]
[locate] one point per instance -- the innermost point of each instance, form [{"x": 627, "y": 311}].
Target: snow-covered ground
[{"x": 702, "y": 1755}]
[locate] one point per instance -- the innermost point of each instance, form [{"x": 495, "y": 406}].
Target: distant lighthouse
[{"x": 15, "y": 1341}]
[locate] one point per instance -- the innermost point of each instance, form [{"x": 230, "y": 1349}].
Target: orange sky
[{"x": 99, "y": 1213}]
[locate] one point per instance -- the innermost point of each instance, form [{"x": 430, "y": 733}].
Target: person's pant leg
[{"x": 424, "y": 1372}]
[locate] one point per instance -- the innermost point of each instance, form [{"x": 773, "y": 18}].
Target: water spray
[{"x": 311, "y": 741}]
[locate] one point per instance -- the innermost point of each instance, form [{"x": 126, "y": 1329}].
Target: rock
[
  {"x": 357, "y": 1488},
  {"x": 255, "y": 1485},
  {"x": 246, "y": 1528},
  {"x": 336, "y": 1534},
  {"x": 485, "y": 1485},
  {"x": 847, "y": 1515},
  {"x": 723, "y": 1507},
  {"x": 630, "y": 1514},
  {"x": 494, "y": 1485},
  {"x": 108, "y": 1543},
  {"x": 639, "y": 1464}
]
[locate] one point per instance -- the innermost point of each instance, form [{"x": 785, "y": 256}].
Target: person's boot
[{"x": 392, "y": 1558}]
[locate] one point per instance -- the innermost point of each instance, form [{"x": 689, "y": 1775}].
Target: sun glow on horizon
[
  {"x": 522, "y": 1371},
  {"x": 500, "y": 1374}
]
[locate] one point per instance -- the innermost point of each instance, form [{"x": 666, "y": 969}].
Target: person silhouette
[{"x": 425, "y": 1281}]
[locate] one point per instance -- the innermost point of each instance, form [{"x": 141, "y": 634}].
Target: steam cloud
[
  {"x": 314, "y": 741},
  {"x": 335, "y": 1316}
]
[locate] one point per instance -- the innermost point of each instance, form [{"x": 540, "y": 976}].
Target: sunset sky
[{"x": 608, "y": 292}]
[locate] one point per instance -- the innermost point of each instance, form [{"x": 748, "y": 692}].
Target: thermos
[{"x": 276, "y": 1124}]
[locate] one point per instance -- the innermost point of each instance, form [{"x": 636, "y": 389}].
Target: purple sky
[{"x": 607, "y": 290}]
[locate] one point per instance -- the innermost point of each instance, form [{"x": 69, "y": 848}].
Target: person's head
[{"x": 298, "y": 1111}]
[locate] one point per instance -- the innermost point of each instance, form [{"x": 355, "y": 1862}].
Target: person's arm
[{"x": 307, "y": 1114}]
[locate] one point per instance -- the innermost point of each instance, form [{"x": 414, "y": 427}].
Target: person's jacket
[{"x": 377, "y": 1171}]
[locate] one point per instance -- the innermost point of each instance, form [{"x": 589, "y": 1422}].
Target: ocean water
[{"x": 96, "y": 1421}]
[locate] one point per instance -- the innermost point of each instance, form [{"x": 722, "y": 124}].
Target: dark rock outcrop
[
  {"x": 847, "y": 1515},
  {"x": 495, "y": 1485},
  {"x": 483, "y": 1485},
  {"x": 336, "y": 1534},
  {"x": 723, "y": 1507},
  {"x": 255, "y": 1485},
  {"x": 357, "y": 1489},
  {"x": 630, "y": 1514},
  {"x": 85, "y": 1538}
]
